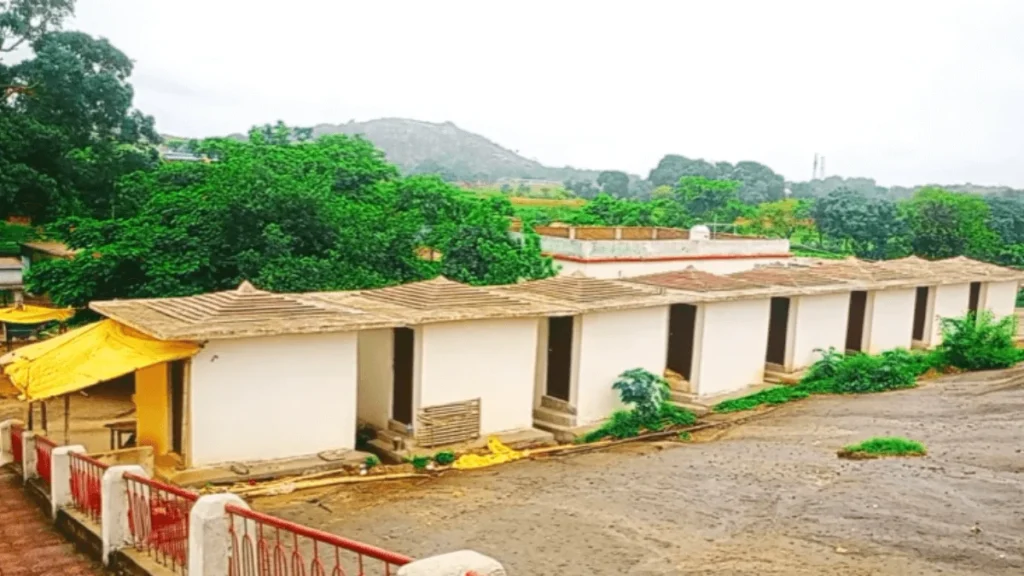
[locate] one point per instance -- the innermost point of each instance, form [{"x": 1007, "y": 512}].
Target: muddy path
[{"x": 766, "y": 497}]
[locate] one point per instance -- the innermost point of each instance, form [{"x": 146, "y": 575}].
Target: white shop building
[
  {"x": 626, "y": 251},
  {"x": 460, "y": 366}
]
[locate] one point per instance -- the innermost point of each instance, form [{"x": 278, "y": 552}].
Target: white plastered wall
[
  {"x": 493, "y": 360},
  {"x": 609, "y": 344},
  {"x": 888, "y": 320},
  {"x": 998, "y": 297},
  {"x": 608, "y": 270},
  {"x": 731, "y": 344},
  {"x": 816, "y": 322},
  {"x": 945, "y": 301},
  {"x": 376, "y": 376},
  {"x": 272, "y": 397}
]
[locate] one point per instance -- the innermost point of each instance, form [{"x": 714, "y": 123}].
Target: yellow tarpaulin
[
  {"x": 86, "y": 356},
  {"x": 29, "y": 314},
  {"x": 500, "y": 454}
]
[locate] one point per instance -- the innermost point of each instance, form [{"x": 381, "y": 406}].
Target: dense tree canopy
[
  {"x": 67, "y": 127},
  {"x": 329, "y": 214}
]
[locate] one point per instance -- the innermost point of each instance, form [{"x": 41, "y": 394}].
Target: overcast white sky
[{"x": 905, "y": 91}]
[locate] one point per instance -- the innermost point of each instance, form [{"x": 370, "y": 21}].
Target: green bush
[
  {"x": 371, "y": 462},
  {"x": 420, "y": 462},
  {"x": 444, "y": 457},
  {"x": 629, "y": 423},
  {"x": 887, "y": 446},
  {"x": 863, "y": 373},
  {"x": 644, "y": 391},
  {"x": 979, "y": 342}
]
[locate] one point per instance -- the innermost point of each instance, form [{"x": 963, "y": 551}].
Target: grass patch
[
  {"x": 779, "y": 395},
  {"x": 883, "y": 446}
]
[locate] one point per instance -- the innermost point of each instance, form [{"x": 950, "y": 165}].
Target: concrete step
[
  {"x": 562, "y": 434},
  {"x": 547, "y": 415},
  {"x": 789, "y": 378},
  {"x": 698, "y": 409},
  {"x": 689, "y": 401}
]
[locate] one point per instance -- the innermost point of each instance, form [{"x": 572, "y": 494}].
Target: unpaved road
[{"x": 767, "y": 497}]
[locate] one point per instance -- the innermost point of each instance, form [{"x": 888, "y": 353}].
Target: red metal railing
[
  {"x": 262, "y": 545},
  {"x": 16, "y": 445},
  {"x": 44, "y": 449},
  {"x": 158, "y": 520},
  {"x": 87, "y": 485}
]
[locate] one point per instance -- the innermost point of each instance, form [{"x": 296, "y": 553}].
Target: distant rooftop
[{"x": 58, "y": 249}]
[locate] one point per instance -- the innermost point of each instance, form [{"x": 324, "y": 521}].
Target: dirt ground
[
  {"x": 765, "y": 497},
  {"x": 89, "y": 412}
]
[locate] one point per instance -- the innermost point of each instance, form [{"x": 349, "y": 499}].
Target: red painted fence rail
[
  {"x": 87, "y": 485},
  {"x": 16, "y": 445},
  {"x": 262, "y": 545},
  {"x": 44, "y": 449},
  {"x": 158, "y": 520}
]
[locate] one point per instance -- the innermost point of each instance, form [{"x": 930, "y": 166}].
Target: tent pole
[
  {"x": 67, "y": 419},
  {"x": 42, "y": 416},
  {"x": 31, "y": 414}
]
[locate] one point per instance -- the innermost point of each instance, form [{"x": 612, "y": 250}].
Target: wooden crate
[{"x": 448, "y": 423}]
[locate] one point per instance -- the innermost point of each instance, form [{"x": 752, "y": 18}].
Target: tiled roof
[
  {"x": 789, "y": 276},
  {"x": 696, "y": 281},
  {"x": 439, "y": 300},
  {"x": 236, "y": 313},
  {"x": 584, "y": 293}
]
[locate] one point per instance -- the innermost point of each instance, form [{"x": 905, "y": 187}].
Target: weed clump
[
  {"x": 880, "y": 447},
  {"x": 371, "y": 462},
  {"x": 979, "y": 342},
  {"x": 445, "y": 457},
  {"x": 779, "y": 395},
  {"x": 420, "y": 462}
]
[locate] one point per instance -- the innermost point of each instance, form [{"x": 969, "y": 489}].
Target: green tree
[
  {"x": 870, "y": 227},
  {"x": 945, "y": 224},
  {"x": 67, "y": 127},
  {"x": 782, "y": 219},
  {"x": 708, "y": 200},
  {"x": 329, "y": 214},
  {"x": 614, "y": 183}
]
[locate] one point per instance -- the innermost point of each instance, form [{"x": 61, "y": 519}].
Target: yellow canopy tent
[
  {"x": 86, "y": 356},
  {"x": 28, "y": 314}
]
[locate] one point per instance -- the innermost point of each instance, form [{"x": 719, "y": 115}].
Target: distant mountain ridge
[{"x": 419, "y": 147}]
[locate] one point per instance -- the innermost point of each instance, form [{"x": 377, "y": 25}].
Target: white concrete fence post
[
  {"x": 458, "y": 563},
  {"x": 114, "y": 512},
  {"x": 60, "y": 476},
  {"x": 209, "y": 538},
  {"x": 6, "y": 451},
  {"x": 28, "y": 455}
]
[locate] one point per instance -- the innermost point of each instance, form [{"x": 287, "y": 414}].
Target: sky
[{"x": 904, "y": 91}]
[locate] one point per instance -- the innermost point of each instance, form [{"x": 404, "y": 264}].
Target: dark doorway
[
  {"x": 560, "y": 332},
  {"x": 682, "y": 320},
  {"x": 972, "y": 302},
  {"x": 778, "y": 326},
  {"x": 176, "y": 378},
  {"x": 402, "y": 364},
  {"x": 855, "y": 326},
  {"x": 920, "y": 312}
]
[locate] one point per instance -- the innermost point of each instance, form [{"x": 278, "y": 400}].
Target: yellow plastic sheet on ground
[
  {"x": 29, "y": 314},
  {"x": 87, "y": 356},
  {"x": 500, "y": 454}
]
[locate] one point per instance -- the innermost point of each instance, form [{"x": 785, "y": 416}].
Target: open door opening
[
  {"x": 975, "y": 299},
  {"x": 402, "y": 367},
  {"x": 682, "y": 320},
  {"x": 855, "y": 325},
  {"x": 559, "y": 374},
  {"x": 778, "y": 327},
  {"x": 176, "y": 380},
  {"x": 920, "y": 312}
]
